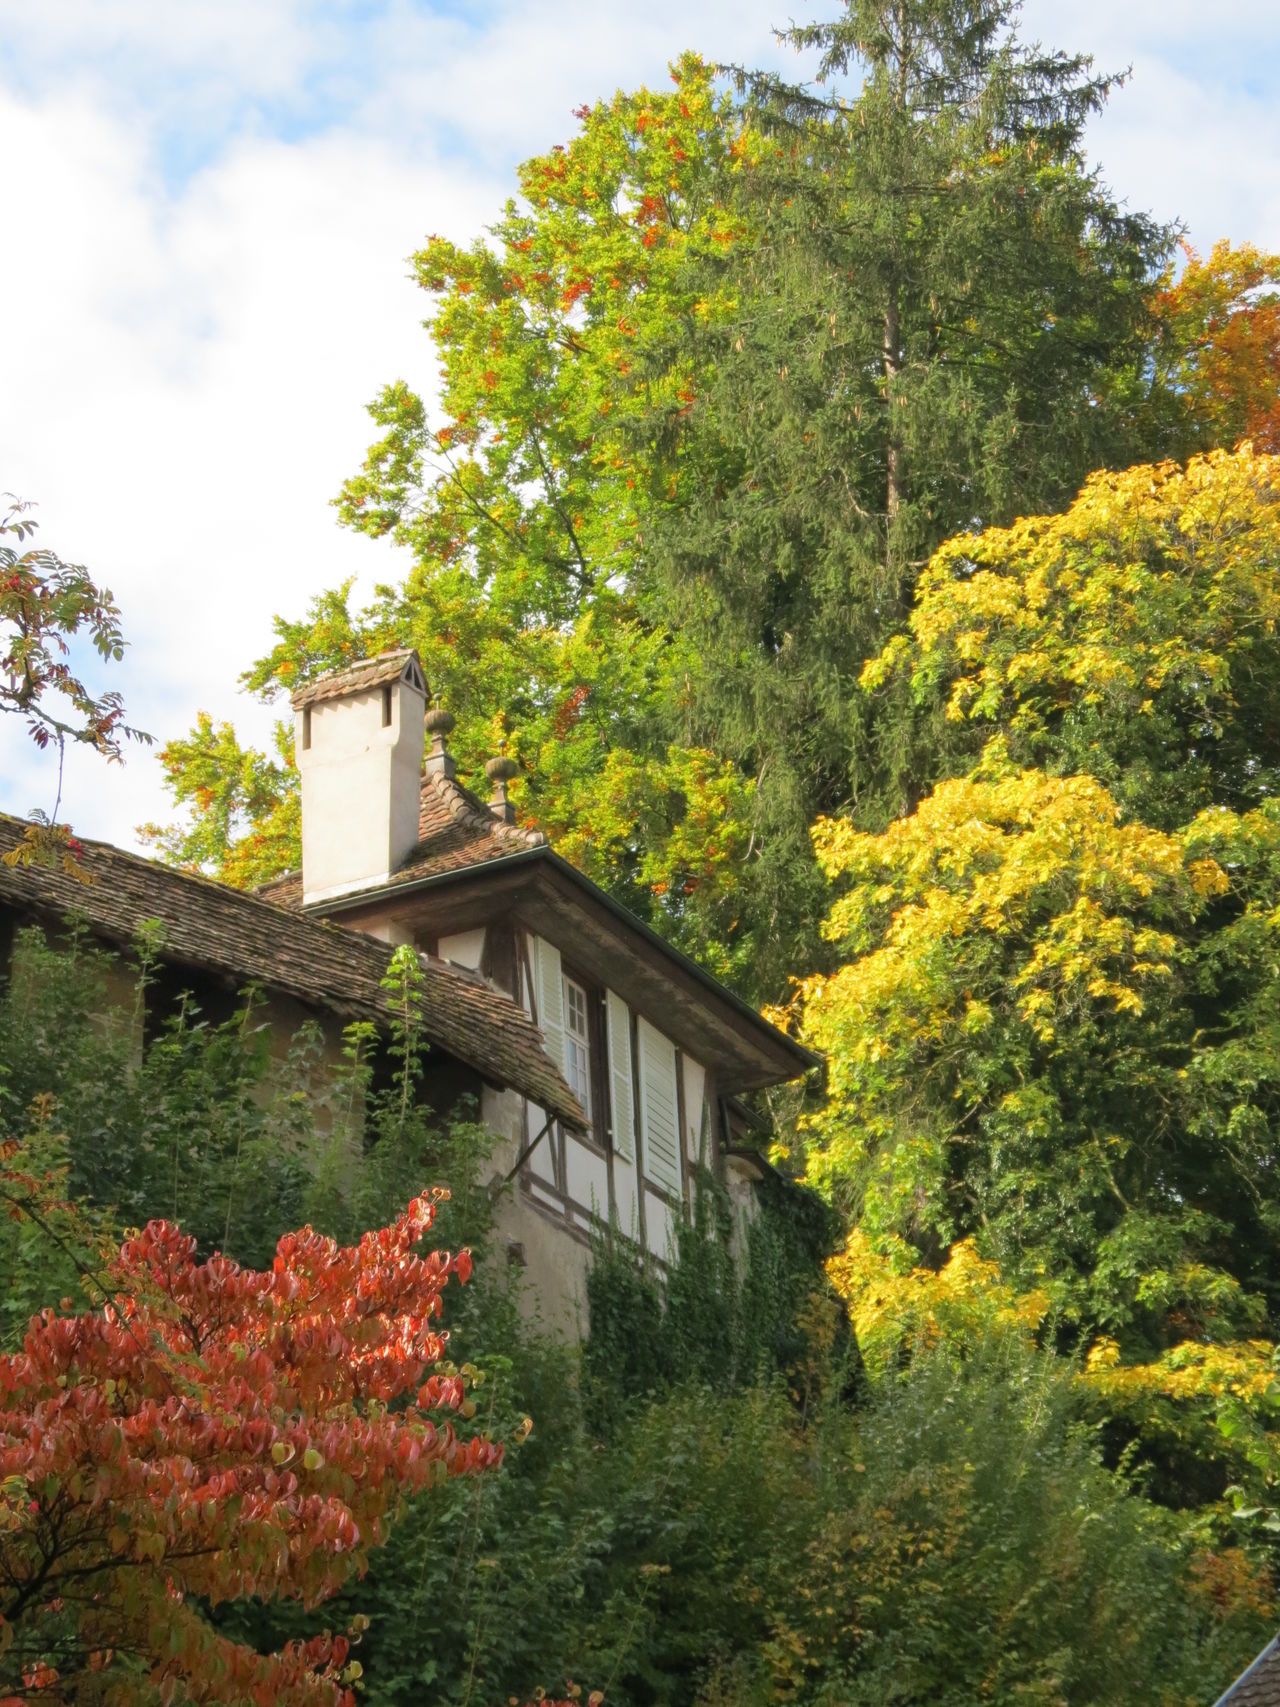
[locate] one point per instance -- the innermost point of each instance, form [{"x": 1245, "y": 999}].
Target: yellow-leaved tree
[{"x": 1054, "y": 1035}]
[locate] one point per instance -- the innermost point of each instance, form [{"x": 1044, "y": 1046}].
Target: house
[
  {"x": 1259, "y": 1686},
  {"x": 607, "y": 1064},
  {"x": 655, "y": 1050}
]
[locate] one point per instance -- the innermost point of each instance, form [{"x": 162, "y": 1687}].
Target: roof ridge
[
  {"x": 217, "y": 884},
  {"x": 274, "y": 882},
  {"x": 467, "y": 808},
  {"x": 1261, "y": 1675}
]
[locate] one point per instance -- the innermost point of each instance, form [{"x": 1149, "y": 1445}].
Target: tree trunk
[
  {"x": 892, "y": 326},
  {"x": 892, "y": 367}
]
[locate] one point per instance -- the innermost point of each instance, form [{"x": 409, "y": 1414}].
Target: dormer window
[{"x": 577, "y": 1043}]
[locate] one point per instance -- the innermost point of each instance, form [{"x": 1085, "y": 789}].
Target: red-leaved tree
[{"x": 211, "y": 1432}]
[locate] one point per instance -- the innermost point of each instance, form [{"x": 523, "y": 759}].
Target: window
[{"x": 577, "y": 1043}]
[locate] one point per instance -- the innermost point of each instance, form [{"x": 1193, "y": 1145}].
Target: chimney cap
[{"x": 403, "y": 664}]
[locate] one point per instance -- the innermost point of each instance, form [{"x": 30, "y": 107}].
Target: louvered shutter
[
  {"x": 549, "y": 989},
  {"x": 621, "y": 1099},
  {"x": 659, "y": 1110}
]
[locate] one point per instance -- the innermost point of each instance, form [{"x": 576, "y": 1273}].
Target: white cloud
[
  {"x": 188, "y": 347},
  {"x": 251, "y": 46},
  {"x": 191, "y": 376},
  {"x": 1194, "y": 135}
]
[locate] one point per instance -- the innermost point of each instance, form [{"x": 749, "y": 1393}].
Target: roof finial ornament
[
  {"x": 440, "y": 725},
  {"x": 500, "y": 772}
]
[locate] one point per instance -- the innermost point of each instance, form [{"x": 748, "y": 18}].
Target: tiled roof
[
  {"x": 254, "y": 940},
  {"x": 366, "y": 673},
  {"x": 1260, "y": 1685},
  {"x": 283, "y": 891},
  {"x": 455, "y": 830},
  {"x": 460, "y": 838}
]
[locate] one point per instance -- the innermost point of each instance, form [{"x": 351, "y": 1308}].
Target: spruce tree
[{"x": 935, "y": 308}]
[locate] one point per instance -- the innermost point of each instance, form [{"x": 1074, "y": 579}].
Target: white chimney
[{"x": 358, "y": 740}]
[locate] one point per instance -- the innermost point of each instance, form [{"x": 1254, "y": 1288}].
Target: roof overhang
[
  {"x": 556, "y": 900},
  {"x": 1258, "y": 1684},
  {"x": 243, "y": 938}
]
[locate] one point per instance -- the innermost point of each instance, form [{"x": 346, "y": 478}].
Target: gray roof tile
[
  {"x": 254, "y": 940},
  {"x": 357, "y": 677}
]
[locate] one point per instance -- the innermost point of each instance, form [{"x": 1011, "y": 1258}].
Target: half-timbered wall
[
  {"x": 644, "y": 1097},
  {"x": 647, "y": 1100}
]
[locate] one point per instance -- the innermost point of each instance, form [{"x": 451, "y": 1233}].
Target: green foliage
[
  {"x": 721, "y": 525},
  {"x": 706, "y": 1520},
  {"x": 154, "y": 1108},
  {"x": 713, "y": 390},
  {"x": 725, "y": 1545},
  {"x": 969, "y": 1543},
  {"x": 1132, "y": 637},
  {"x": 739, "y": 1307},
  {"x": 932, "y": 312},
  {"x": 243, "y": 810},
  {"x": 45, "y": 1257},
  {"x": 960, "y": 1529},
  {"x": 520, "y": 510},
  {"x": 164, "y": 1112}
]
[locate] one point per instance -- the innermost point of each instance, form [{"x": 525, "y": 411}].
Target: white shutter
[
  {"x": 621, "y": 1100},
  {"x": 659, "y": 1110},
  {"x": 549, "y": 991}
]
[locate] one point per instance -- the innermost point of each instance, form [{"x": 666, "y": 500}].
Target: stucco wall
[{"x": 553, "y": 1258}]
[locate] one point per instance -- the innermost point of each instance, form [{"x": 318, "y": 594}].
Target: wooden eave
[{"x": 542, "y": 890}]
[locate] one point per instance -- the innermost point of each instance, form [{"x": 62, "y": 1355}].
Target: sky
[{"x": 208, "y": 210}]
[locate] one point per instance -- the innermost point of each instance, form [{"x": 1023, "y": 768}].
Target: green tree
[
  {"x": 1008, "y": 1042},
  {"x": 935, "y": 317},
  {"x": 969, "y": 1543},
  {"x": 46, "y": 605},
  {"x": 723, "y": 1538},
  {"x": 1131, "y": 637},
  {"x": 713, "y": 389},
  {"x": 242, "y": 805},
  {"x": 519, "y": 506}
]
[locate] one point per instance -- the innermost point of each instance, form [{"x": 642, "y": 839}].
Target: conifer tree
[{"x": 936, "y": 310}]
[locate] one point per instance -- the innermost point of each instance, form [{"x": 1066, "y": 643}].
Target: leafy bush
[{"x": 712, "y": 1505}]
